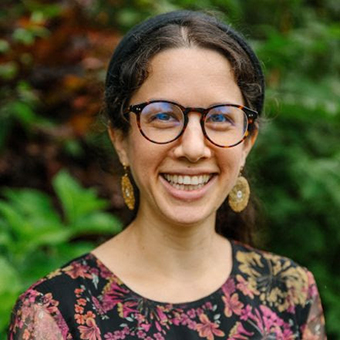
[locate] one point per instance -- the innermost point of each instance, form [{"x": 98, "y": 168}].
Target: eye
[
  {"x": 162, "y": 116},
  {"x": 219, "y": 118},
  {"x": 165, "y": 119}
]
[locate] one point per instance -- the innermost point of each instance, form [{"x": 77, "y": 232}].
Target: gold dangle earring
[
  {"x": 127, "y": 189},
  {"x": 239, "y": 195}
]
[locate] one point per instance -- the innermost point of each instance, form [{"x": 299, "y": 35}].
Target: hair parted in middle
[{"x": 129, "y": 68}]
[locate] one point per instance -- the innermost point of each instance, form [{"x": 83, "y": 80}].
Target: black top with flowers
[{"x": 265, "y": 297}]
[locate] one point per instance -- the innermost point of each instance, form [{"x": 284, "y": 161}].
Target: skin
[{"x": 173, "y": 238}]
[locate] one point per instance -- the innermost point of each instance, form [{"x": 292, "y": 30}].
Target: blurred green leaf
[
  {"x": 75, "y": 200},
  {"x": 22, "y": 112},
  {"x": 44, "y": 10},
  {"x": 296, "y": 157},
  {"x": 98, "y": 222},
  {"x": 23, "y": 36},
  {"x": 4, "y": 46},
  {"x": 8, "y": 70},
  {"x": 9, "y": 279}
]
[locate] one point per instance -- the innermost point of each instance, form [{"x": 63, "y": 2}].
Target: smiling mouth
[{"x": 188, "y": 183}]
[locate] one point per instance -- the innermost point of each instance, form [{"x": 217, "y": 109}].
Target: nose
[{"x": 192, "y": 145}]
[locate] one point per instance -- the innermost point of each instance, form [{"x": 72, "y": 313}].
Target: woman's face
[{"x": 192, "y": 77}]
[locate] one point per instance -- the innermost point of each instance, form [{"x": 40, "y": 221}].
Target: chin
[{"x": 188, "y": 216}]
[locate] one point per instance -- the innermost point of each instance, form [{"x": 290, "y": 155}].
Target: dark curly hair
[{"x": 129, "y": 67}]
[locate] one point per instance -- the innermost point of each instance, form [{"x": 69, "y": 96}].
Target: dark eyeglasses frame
[{"x": 251, "y": 116}]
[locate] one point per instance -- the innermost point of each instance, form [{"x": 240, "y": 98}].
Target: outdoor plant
[
  {"x": 52, "y": 69},
  {"x": 39, "y": 235}
]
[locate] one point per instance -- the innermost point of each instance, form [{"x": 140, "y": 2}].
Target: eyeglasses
[{"x": 163, "y": 122}]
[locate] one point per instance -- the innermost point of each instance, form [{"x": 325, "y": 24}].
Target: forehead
[{"x": 192, "y": 76}]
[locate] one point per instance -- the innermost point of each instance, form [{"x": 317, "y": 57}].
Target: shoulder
[
  {"x": 51, "y": 301},
  {"x": 247, "y": 256},
  {"x": 85, "y": 273},
  {"x": 275, "y": 276},
  {"x": 74, "y": 273}
]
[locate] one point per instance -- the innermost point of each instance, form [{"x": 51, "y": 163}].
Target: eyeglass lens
[{"x": 163, "y": 122}]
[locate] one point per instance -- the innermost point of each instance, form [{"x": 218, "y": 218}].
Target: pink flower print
[
  {"x": 31, "y": 296},
  {"x": 78, "y": 292},
  {"x": 191, "y": 313},
  {"x": 26, "y": 334},
  {"x": 63, "y": 327},
  {"x": 26, "y": 312},
  {"x": 177, "y": 319},
  {"x": 126, "y": 308},
  {"x": 270, "y": 318},
  {"x": 239, "y": 333},
  {"x": 48, "y": 327},
  {"x": 105, "y": 273},
  {"x": 126, "y": 330},
  {"x": 78, "y": 309},
  {"x": 146, "y": 326},
  {"x": 90, "y": 331},
  {"x": 113, "y": 294},
  {"x": 50, "y": 304},
  {"x": 117, "y": 335},
  {"x": 208, "y": 329},
  {"x": 158, "y": 336},
  {"x": 270, "y": 324},
  {"x": 229, "y": 287},
  {"x": 307, "y": 334},
  {"x": 90, "y": 315},
  {"x": 76, "y": 270},
  {"x": 94, "y": 271},
  {"x": 80, "y": 318},
  {"x": 98, "y": 306},
  {"x": 246, "y": 313},
  {"x": 192, "y": 324},
  {"x": 290, "y": 304},
  {"x": 141, "y": 334},
  {"x": 232, "y": 305},
  {"x": 109, "y": 336},
  {"x": 160, "y": 315},
  {"x": 312, "y": 289},
  {"x": 199, "y": 311},
  {"x": 158, "y": 326},
  {"x": 184, "y": 319},
  {"x": 246, "y": 287},
  {"x": 81, "y": 302}
]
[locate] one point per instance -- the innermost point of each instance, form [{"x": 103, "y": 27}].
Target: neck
[
  {"x": 177, "y": 247},
  {"x": 185, "y": 262}
]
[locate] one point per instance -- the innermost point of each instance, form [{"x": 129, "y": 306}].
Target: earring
[
  {"x": 239, "y": 195},
  {"x": 127, "y": 190}
]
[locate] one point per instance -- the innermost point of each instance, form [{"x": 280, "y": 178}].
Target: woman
[{"x": 183, "y": 95}]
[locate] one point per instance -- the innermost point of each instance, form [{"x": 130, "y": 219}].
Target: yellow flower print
[
  {"x": 249, "y": 263},
  {"x": 266, "y": 275}
]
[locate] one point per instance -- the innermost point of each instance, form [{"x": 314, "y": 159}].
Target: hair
[{"x": 129, "y": 68}]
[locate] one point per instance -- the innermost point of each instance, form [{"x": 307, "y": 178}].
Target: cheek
[
  {"x": 230, "y": 165},
  {"x": 231, "y": 160},
  {"x": 144, "y": 158}
]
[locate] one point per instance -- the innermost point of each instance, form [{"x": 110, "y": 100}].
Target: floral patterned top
[{"x": 265, "y": 297}]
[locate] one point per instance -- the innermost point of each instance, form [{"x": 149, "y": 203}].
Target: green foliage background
[{"x": 295, "y": 164}]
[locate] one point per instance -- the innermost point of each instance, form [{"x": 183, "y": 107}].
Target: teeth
[{"x": 187, "y": 182}]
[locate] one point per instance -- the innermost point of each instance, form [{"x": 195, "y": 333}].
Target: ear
[
  {"x": 248, "y": 144},
  {"x": 119, "y": 141}
]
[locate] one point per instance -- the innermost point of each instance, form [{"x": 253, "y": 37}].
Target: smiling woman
[{"x": 183, "y": 96}]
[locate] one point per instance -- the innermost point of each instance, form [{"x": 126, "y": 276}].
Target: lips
[{"x": 187, "y": 182}]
